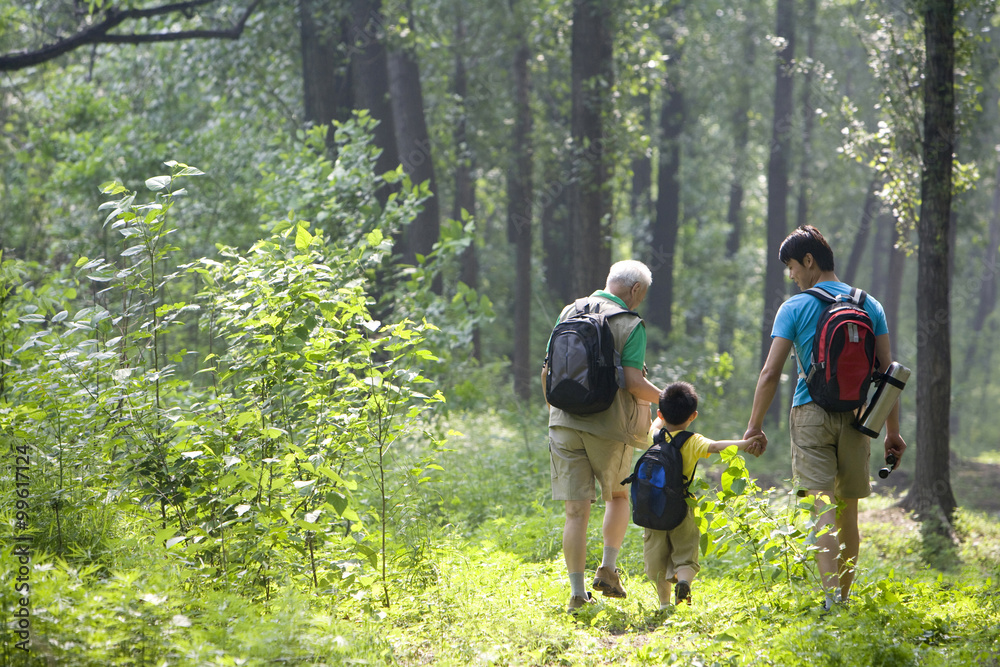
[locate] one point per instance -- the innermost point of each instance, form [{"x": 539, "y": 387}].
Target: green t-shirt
[{"x": 634, "y": 352}]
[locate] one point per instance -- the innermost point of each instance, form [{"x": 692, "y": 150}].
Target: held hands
[{"x": 759, "y": 444}]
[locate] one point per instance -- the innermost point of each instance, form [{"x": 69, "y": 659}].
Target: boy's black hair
[
  {"x": 678, "y": 401},
  {"x": 807, "y": 240}
]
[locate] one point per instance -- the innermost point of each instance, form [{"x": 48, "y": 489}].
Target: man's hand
[{"x": 894, "y": 445}]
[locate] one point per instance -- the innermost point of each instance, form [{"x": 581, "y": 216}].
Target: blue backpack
[{"x": 659, "y": 489}]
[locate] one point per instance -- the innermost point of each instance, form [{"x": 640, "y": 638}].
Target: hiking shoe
[
  {"x": 683, "y": 592},
  {"x": 607, "y": 581},
  {"x": 577, "y": 602}
]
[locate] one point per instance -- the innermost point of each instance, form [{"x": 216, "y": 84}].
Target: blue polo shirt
[{"x": 797, "y": 319}]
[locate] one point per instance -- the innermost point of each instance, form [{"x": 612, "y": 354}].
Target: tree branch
[{"x": 100, "y": 33}]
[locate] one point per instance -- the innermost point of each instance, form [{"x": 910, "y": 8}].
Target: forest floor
[{"x": 974, "y": 482}]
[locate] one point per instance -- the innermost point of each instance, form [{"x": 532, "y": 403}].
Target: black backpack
[
  {"x": 843, "y": 355},
  {"x": 659, "y": 489},
  {"x": 584, "y": 370}
]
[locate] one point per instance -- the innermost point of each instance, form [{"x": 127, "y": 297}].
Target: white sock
[
  {"x": 610, "y": 558},
  {"x": 577, "y": 585}
]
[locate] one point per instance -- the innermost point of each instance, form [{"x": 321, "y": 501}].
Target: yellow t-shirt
[{"x": 696, "y": 447}]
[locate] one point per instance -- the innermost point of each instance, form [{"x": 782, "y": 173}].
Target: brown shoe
[
  {"x": 607, "y": 582},
  {"x": 577, "y": 602},
  {"x": 683, "y": 592}
]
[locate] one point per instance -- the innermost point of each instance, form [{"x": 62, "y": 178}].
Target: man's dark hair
[
  {"x": 806, "y": 240},
  {"x": 678, "y": 401}
]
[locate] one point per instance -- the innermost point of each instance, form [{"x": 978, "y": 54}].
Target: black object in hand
[{"x": 890, "y": 462}]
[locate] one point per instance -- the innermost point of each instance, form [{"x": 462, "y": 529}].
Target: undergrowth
[{"x": 490, "y": 589}]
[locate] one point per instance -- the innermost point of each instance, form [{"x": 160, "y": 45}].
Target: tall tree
[
  {"x": 590, "y": 198},
  {"x": 777, "y": 184},
  {"x": 465, "y": 183},
  {"x": 519, "y": 213},
  {"x": 988, "y": 278},
  {"x": 668, "y": 199},
  {"x": 370, "y": 80},
  {"x": 808, "y": 114},
  {"x": 556, "y": 232},
  {"x": 326, "y": 75},
  {"x": 892, "y": 294},
  {"x": 414, "y": 145},
  {"x": 869, "y": 218},
  {"x": 642, "y": 169},
  {"x": 735, "y": 215},
  {"x": 931, "y": 492}
]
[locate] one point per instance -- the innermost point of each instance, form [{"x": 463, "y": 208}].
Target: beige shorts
[
  {"x": 666, "y": 551},
  {"x": 578, "y": 459},
  {"x": 828, "y": 453}
]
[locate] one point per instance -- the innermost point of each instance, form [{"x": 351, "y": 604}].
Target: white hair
[{"x": 628, "y": 272}]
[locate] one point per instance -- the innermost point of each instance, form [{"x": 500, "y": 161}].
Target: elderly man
[{"x": 585, "y": 448}]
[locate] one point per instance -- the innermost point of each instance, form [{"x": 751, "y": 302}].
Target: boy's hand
[{"x": 757, "y": 444}]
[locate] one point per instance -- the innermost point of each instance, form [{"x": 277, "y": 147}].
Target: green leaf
[
  {"x": 245, "y": 418},
  {"x": 157, "y": 183},
  {"x": 302, "y": 238},
  {"x": 134, "y": 250},
  {"x": 165, "y": 534}
]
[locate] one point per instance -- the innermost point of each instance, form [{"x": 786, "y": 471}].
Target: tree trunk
[
  {"x": 370, "y": 76},
  {"x": 556, "y": 233},
  {"x": 931, "y": 494},
  {"x": 590, "y": 196},
  {"x": 808, "y": 114},
  {"x": 414, "y": 146},
  {"x": 987, "y": 279},
  {"x": 777, "y": 187},
  {"x": 326, "y": 76},
  {"x": 519, "y": 216},
  {"x": 735, "y": 216},
  {"x": 668, "y": 206},
  {"x": 465, "y": 184},
  {"x": 892, "y": 296},
  {"x": 869, "y": 216},
  {"x": 642, "y": 172}
]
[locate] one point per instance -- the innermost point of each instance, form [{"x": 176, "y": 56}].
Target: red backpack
[{"x": 843, "y": 354}]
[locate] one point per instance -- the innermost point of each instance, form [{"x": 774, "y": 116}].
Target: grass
[{"x": 489, "y": 588}]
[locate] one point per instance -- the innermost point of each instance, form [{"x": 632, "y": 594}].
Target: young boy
[{"x": 672, "y": 555}]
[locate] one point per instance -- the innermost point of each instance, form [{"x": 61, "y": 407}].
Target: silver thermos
[{"x": 890, "y": 384}]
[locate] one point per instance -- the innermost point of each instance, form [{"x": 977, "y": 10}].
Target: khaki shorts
[
  {"x": 577, "y": 459},
  {"x": 828, "y": 453},
  {"x": 666, "y": 551}
]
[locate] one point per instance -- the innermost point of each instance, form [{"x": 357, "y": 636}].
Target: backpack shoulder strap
[
  {"x": 607, "y": 309},
  {"x": 855, "y": 296},
  {"x": 858, "y": 297},
  {"x": 821, "y": 294},
  {"x": 677, "y": 442}
]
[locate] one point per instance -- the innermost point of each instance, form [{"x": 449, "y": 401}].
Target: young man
[
  {"x": 598, "y": 447},
  {"x": 829, "y": 456}
]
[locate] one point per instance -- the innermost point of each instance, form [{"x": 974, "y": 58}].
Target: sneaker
[
  {"x": 577, "y": 602},
  {"x": 683, "y": 592},
  {"x": 608, "y": 582}
]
